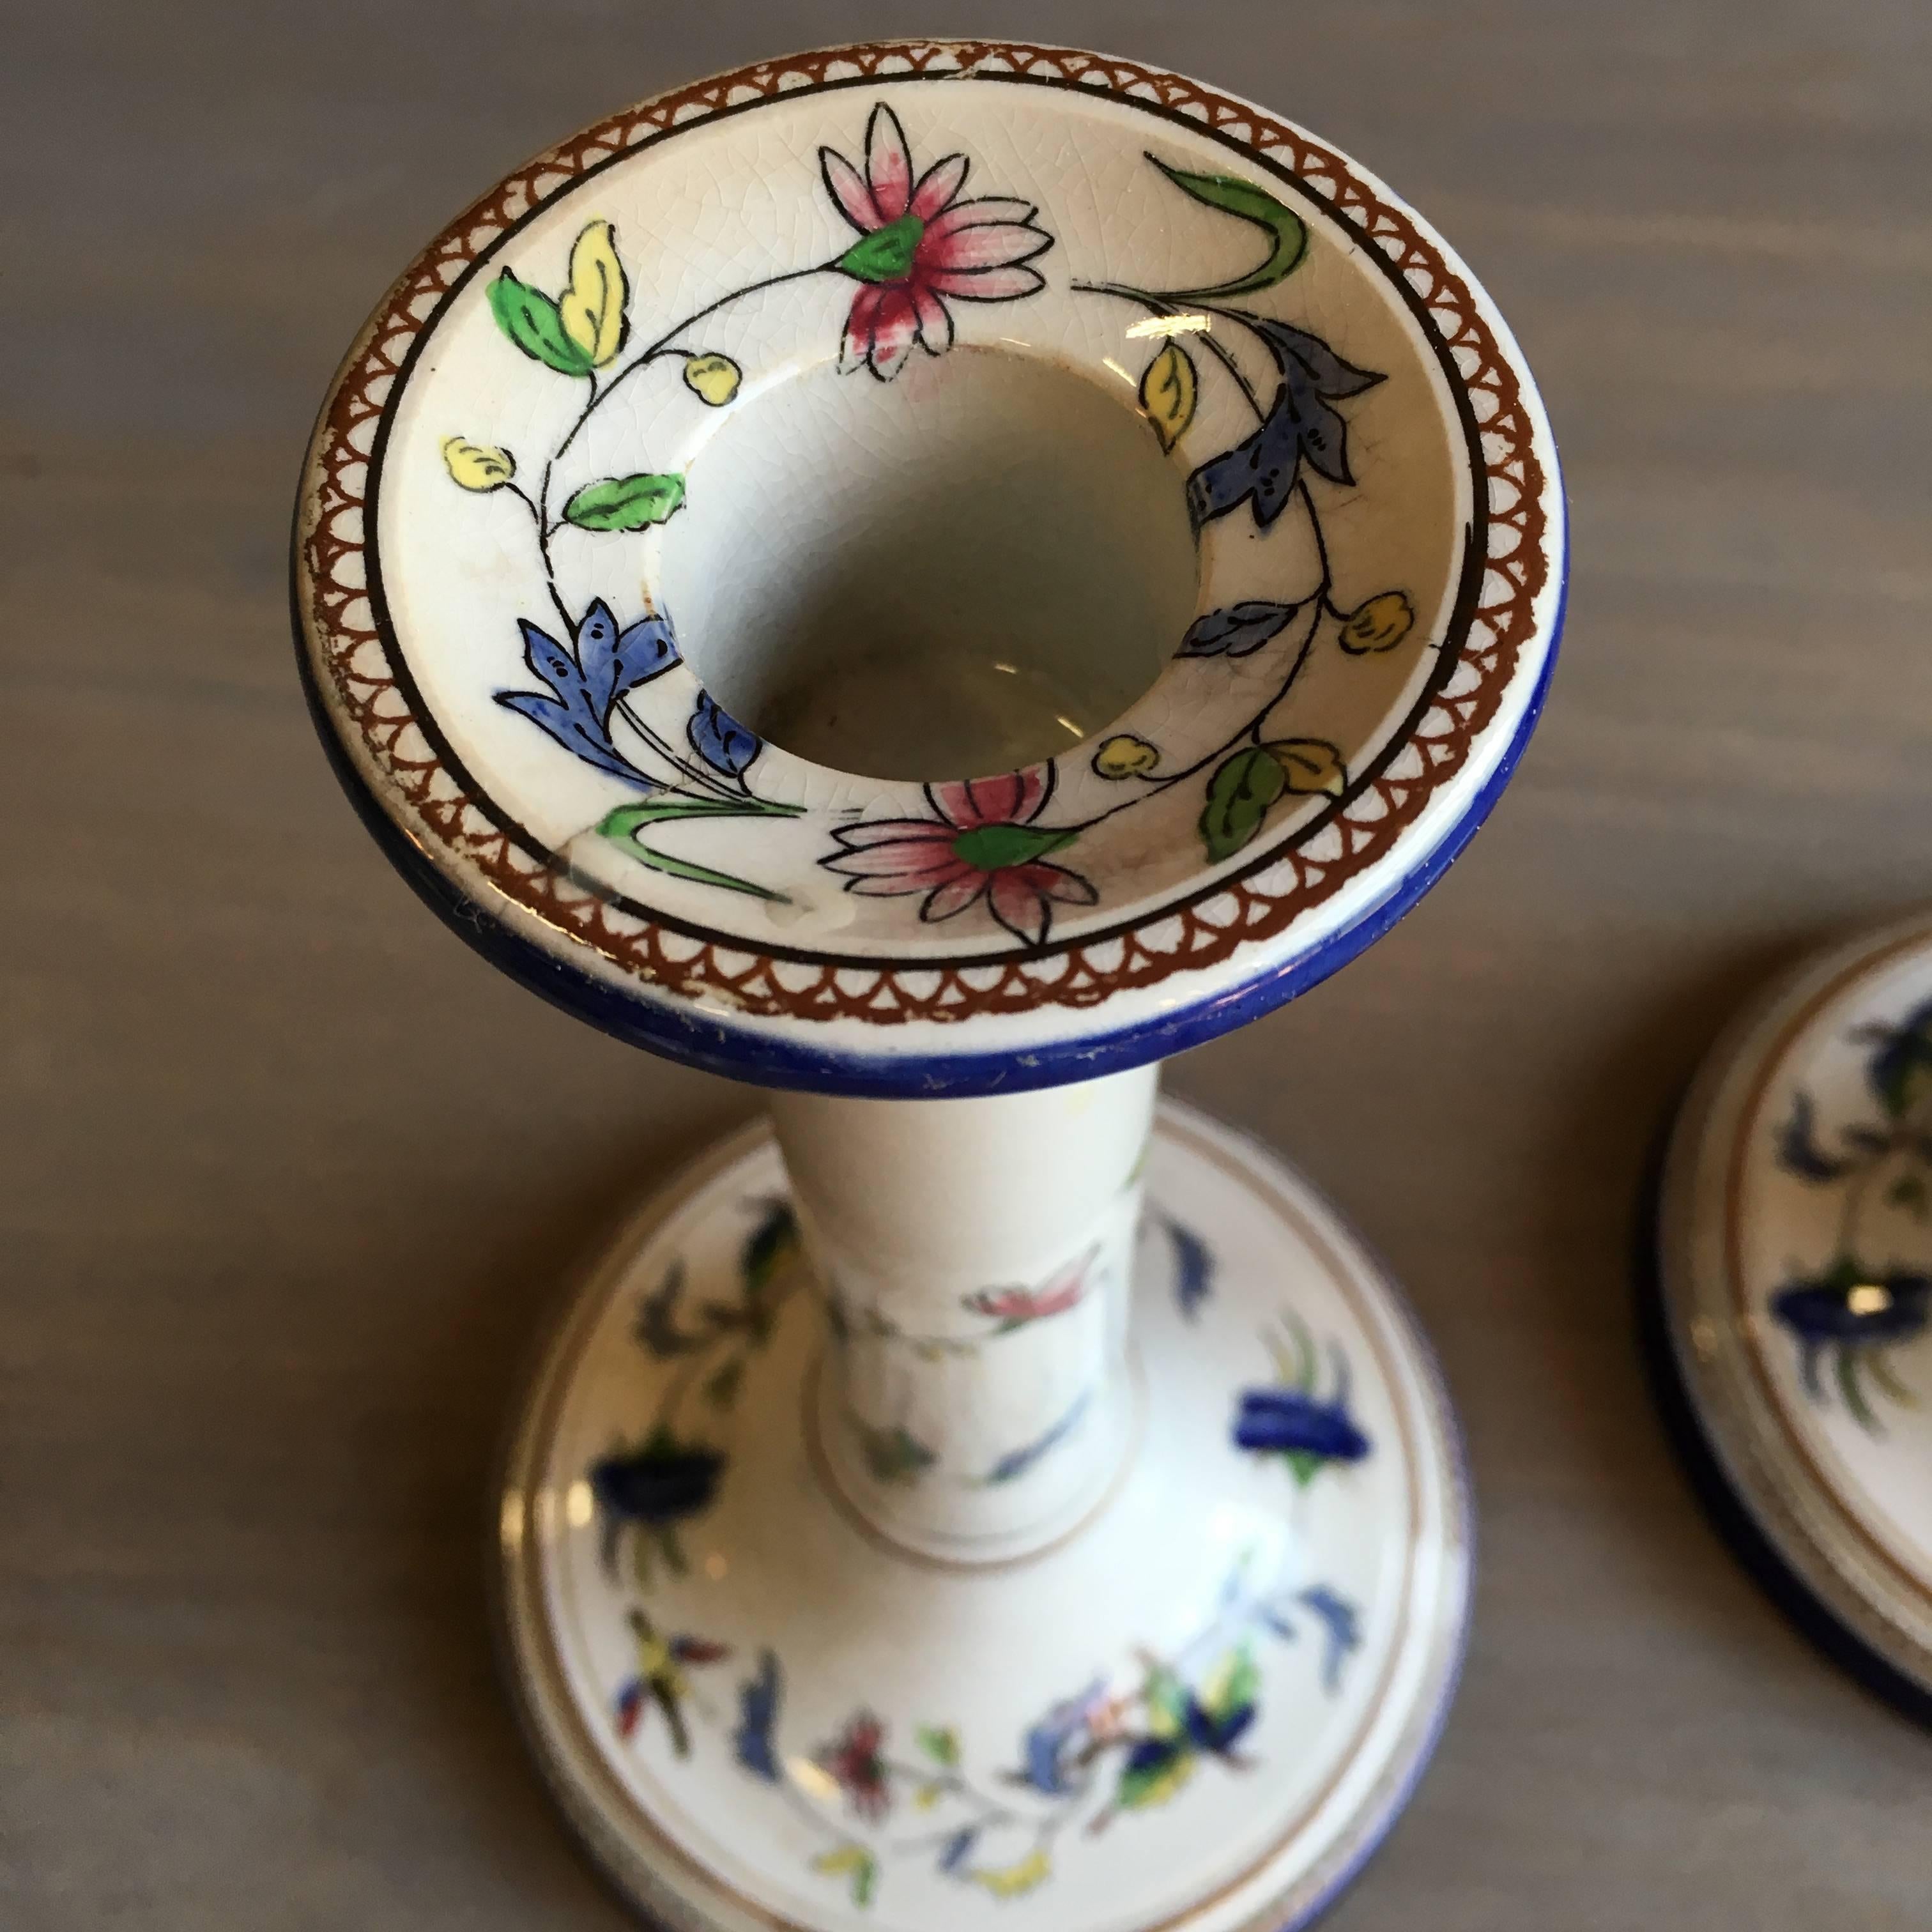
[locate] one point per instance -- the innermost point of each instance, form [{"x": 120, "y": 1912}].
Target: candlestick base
[
  {"x": 1788, "y": 1315},
  {"x": 1203, "y": 1705}
]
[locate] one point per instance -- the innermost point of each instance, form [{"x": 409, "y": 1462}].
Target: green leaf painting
[
  {"x": 622, "y": 827},
  {"x": 886, "y": 253},
  {"x": 534, "y": 324},
  {"x": 1287, "y": 233},
  {"x": 625, "y": 502},
  {"x": 1238, "y": 796}
]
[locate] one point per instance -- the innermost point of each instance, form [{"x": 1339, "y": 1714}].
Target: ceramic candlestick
[
  {"x": 979, "y": 1495},
  {"x": 1794, "y": 1298}
]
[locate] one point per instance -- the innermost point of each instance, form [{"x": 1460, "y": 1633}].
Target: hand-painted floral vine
[
  {"x": 1109, "y": 1749},
  {"x": 1308, "y": 1431},
  {"x": 644, "y": 1493},
  {"x": 673, "y": 1474},
  {"x": 661, "y": 1681},
  {"x": 895, "y": 1455},
  {"x": 987, "y": 841},
  {"x": 922, "y": 245},
  {"x": 892, "y": 1452},
  {"x": 1008, "y": 1309},
  {"x": 1118, "y": 1745},
  {"x": 1851, "y": 1314},
  {"x": 919, "y": 245}
]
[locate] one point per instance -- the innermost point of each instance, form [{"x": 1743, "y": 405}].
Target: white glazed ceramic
[
  {"x": 968, "y": 409},
  {"x": 1797, "y": 1279},
  {"x": 938, "y": 1227},
  {"x": 1202, "y": 1708},
  {"x": 933, "y": 576}
]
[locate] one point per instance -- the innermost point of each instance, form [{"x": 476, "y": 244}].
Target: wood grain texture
[{"x": 290, "y": 1178}]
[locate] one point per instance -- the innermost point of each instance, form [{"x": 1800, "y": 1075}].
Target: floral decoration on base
[{"x": 888, "y": 1787}]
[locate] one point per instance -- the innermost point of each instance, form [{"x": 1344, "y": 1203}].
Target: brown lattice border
[{"x": 358, "y": 680}]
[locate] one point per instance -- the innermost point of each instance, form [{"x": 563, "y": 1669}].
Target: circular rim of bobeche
[{"x": 1024, "y": 991}]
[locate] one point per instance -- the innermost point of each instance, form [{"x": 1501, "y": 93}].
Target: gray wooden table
[{"x": 288, "y": 1178}]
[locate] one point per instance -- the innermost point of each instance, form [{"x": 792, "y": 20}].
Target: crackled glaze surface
[
  {"x": 502, "y": 482},
  {"x": 1799, "y": 1266},
  {"x": 1201, "y": 1709}
]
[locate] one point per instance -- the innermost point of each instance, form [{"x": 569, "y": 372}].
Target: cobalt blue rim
[
  {"x": 768, "y": 1060},
  {"x": 1724, "y": 1506}
]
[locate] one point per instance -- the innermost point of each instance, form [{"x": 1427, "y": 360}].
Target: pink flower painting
[
  {"x": 981, "y": 844},
  {"x": 919, "y": 244}
]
